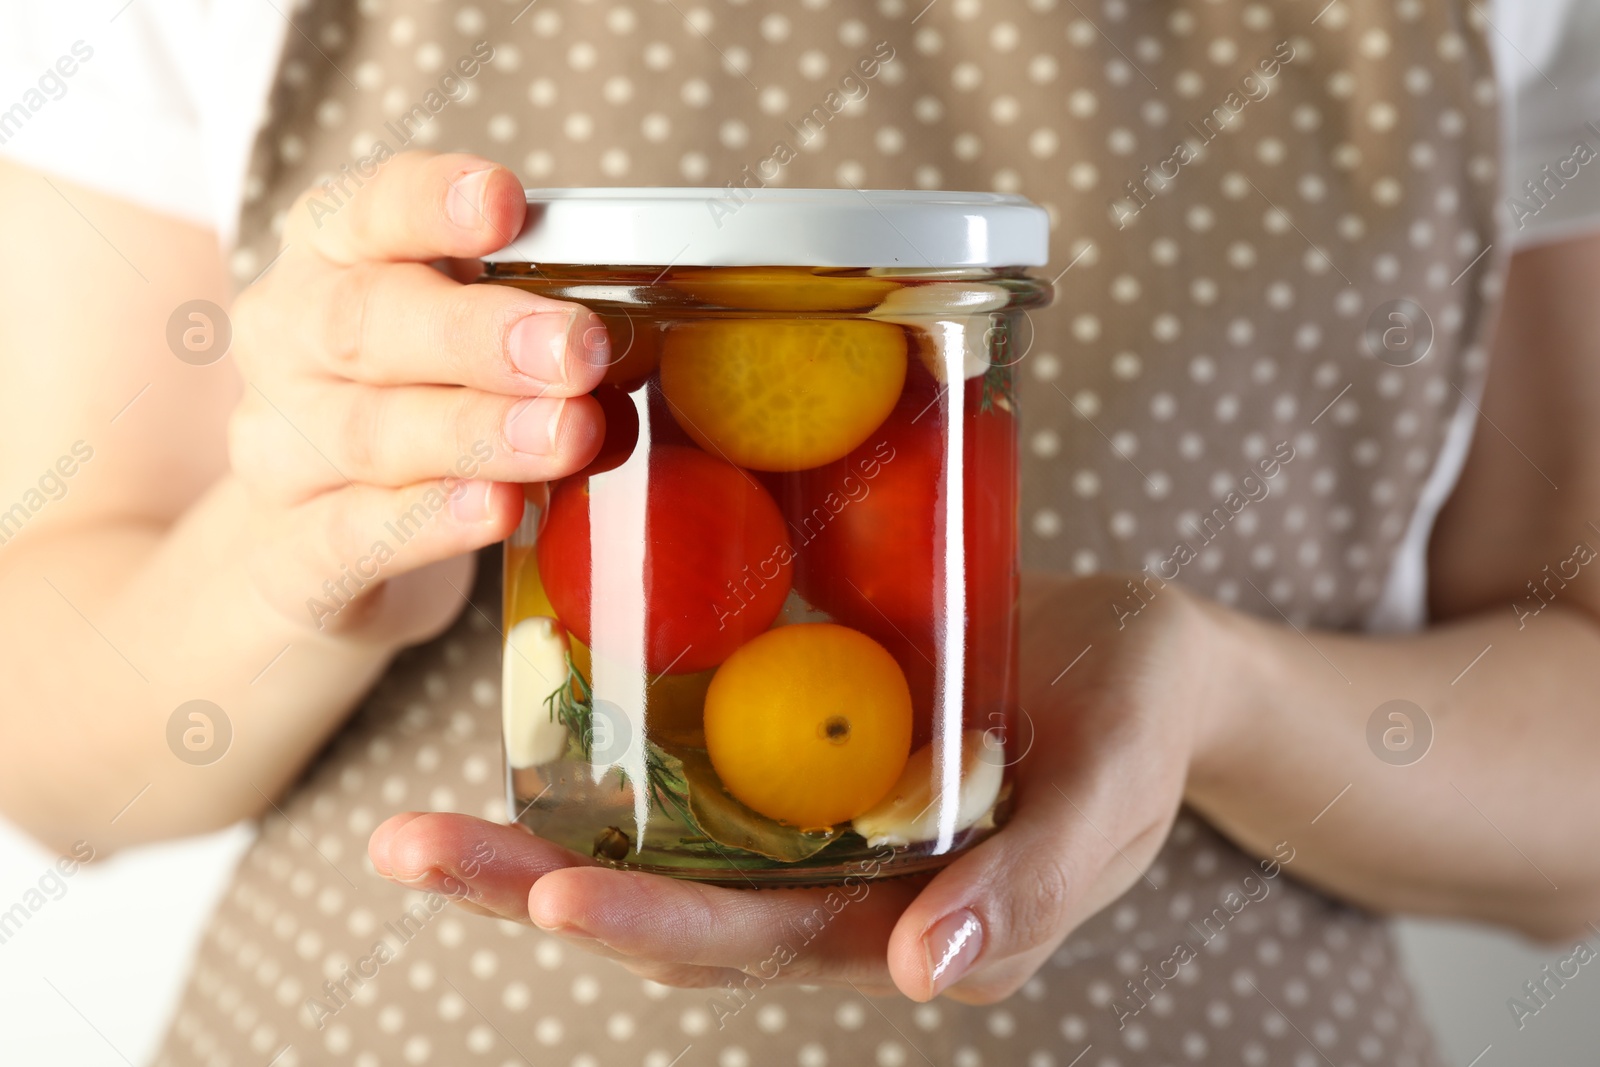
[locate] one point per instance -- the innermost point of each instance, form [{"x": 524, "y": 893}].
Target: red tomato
[
  {"x": 717, "y": 560},
  {"x": 622, "y": 430},
  {"x": 664, "y": 429},
  {"x": 866, "y": 527}
]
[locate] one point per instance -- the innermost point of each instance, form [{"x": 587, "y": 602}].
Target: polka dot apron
[{"x": 1239, "y": 193}]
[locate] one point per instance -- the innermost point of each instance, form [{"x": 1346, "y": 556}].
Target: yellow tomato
[
  {"x": 782, "y": 394},
  {"x": 781, "y": 289},
  {"x": 809, "y": 724},
  {"x": 526, "y": 598}
]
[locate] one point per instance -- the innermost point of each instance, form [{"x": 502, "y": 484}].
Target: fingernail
[
  {"x": 577, "y": 935},
  {"x": 538, "y": 344},
  {"x": 584, "y": 941},
  {"x": 470, "y": 501},
  {"x": 533, "y": 425},
  {"x": 464, "y": 204},
  {"x": 431, "y": 880},
  {"x": 596, "y": 342},
  {"x": 952, "y": 944},
  {"x": 560, "y": 927}
]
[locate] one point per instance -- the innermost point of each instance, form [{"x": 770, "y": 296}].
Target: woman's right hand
[{"x": 389, "y": 409}]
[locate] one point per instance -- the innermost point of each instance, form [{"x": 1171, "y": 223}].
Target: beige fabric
[{"x": 1220, "y": 325}]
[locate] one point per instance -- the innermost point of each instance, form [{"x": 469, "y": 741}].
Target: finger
[
  {"x": 330, "y": 563},
  {"x": 994, "y": 983},
  {"x": 688, "y": 976},
  {"x": 994, "y": 901},
  {"x": 497, "y": 864},
  {"x": 996, "y": 912},
  {"x": 418, "y": 206},
  {"x": 319, "y": 436},
  {"x": 685, "y": 976},
  {"x": 838, "y": 934},
  {"x": 399, "y": 323},
  {"x": 378, "y": 843},
  {"x": 462, "y": 270}
]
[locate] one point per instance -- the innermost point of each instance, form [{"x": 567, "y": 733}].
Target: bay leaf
[{"x": 726, "y": 821}]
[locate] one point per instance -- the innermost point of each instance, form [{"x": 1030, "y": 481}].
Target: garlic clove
[
  {"x": 969, "y": 338},
  {"x": 908, "y": 816},
  {"x": 954, "y": 317},
  {"x": 535, "y": 665},
  {"x": 941, "y": 299}
]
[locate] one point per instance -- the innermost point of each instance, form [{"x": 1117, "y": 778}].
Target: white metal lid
[{"x": 779, "y": 227}]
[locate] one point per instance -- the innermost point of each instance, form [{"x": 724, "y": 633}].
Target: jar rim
[{"x": 738, "y": 227}]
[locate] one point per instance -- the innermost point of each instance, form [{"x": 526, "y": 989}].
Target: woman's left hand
[{"x": 1115, "y": 706}]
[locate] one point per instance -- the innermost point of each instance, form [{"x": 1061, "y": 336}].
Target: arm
[
  {"x": 178, "y": 560},
  {"x": 1516, "y": 737}
]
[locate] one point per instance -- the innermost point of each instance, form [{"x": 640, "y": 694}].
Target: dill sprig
[
  {"x": 665, "y": 787},
  {"x": 997, "y": 389},
  {"x": 572, "y": 705}
]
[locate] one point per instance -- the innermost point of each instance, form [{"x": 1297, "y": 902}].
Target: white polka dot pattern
[
  {"x": 1219, "y": 324},
  {"x": 1363, "y": 173}
]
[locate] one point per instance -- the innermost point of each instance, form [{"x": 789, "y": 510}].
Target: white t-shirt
[
  {"x": 164, "y": 109},
  {"x": 163, "y": 112}
]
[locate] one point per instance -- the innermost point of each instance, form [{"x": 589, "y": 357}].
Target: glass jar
[{"x": 769, "y": 634}]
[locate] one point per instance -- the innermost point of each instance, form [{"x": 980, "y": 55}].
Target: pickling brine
[{"x": 769, "y": 631}]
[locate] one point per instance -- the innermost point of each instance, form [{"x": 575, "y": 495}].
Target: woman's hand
[
  {"x": 279, "y": 589},
  {"x": 389, "y": 408},
  {"x": 1112, "y": 717}
]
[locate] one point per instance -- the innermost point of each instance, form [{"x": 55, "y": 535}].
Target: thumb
[{"x": 996, "y": 913}]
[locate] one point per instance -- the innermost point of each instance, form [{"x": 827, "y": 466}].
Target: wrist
[{"x": 1239, "y": 666}]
